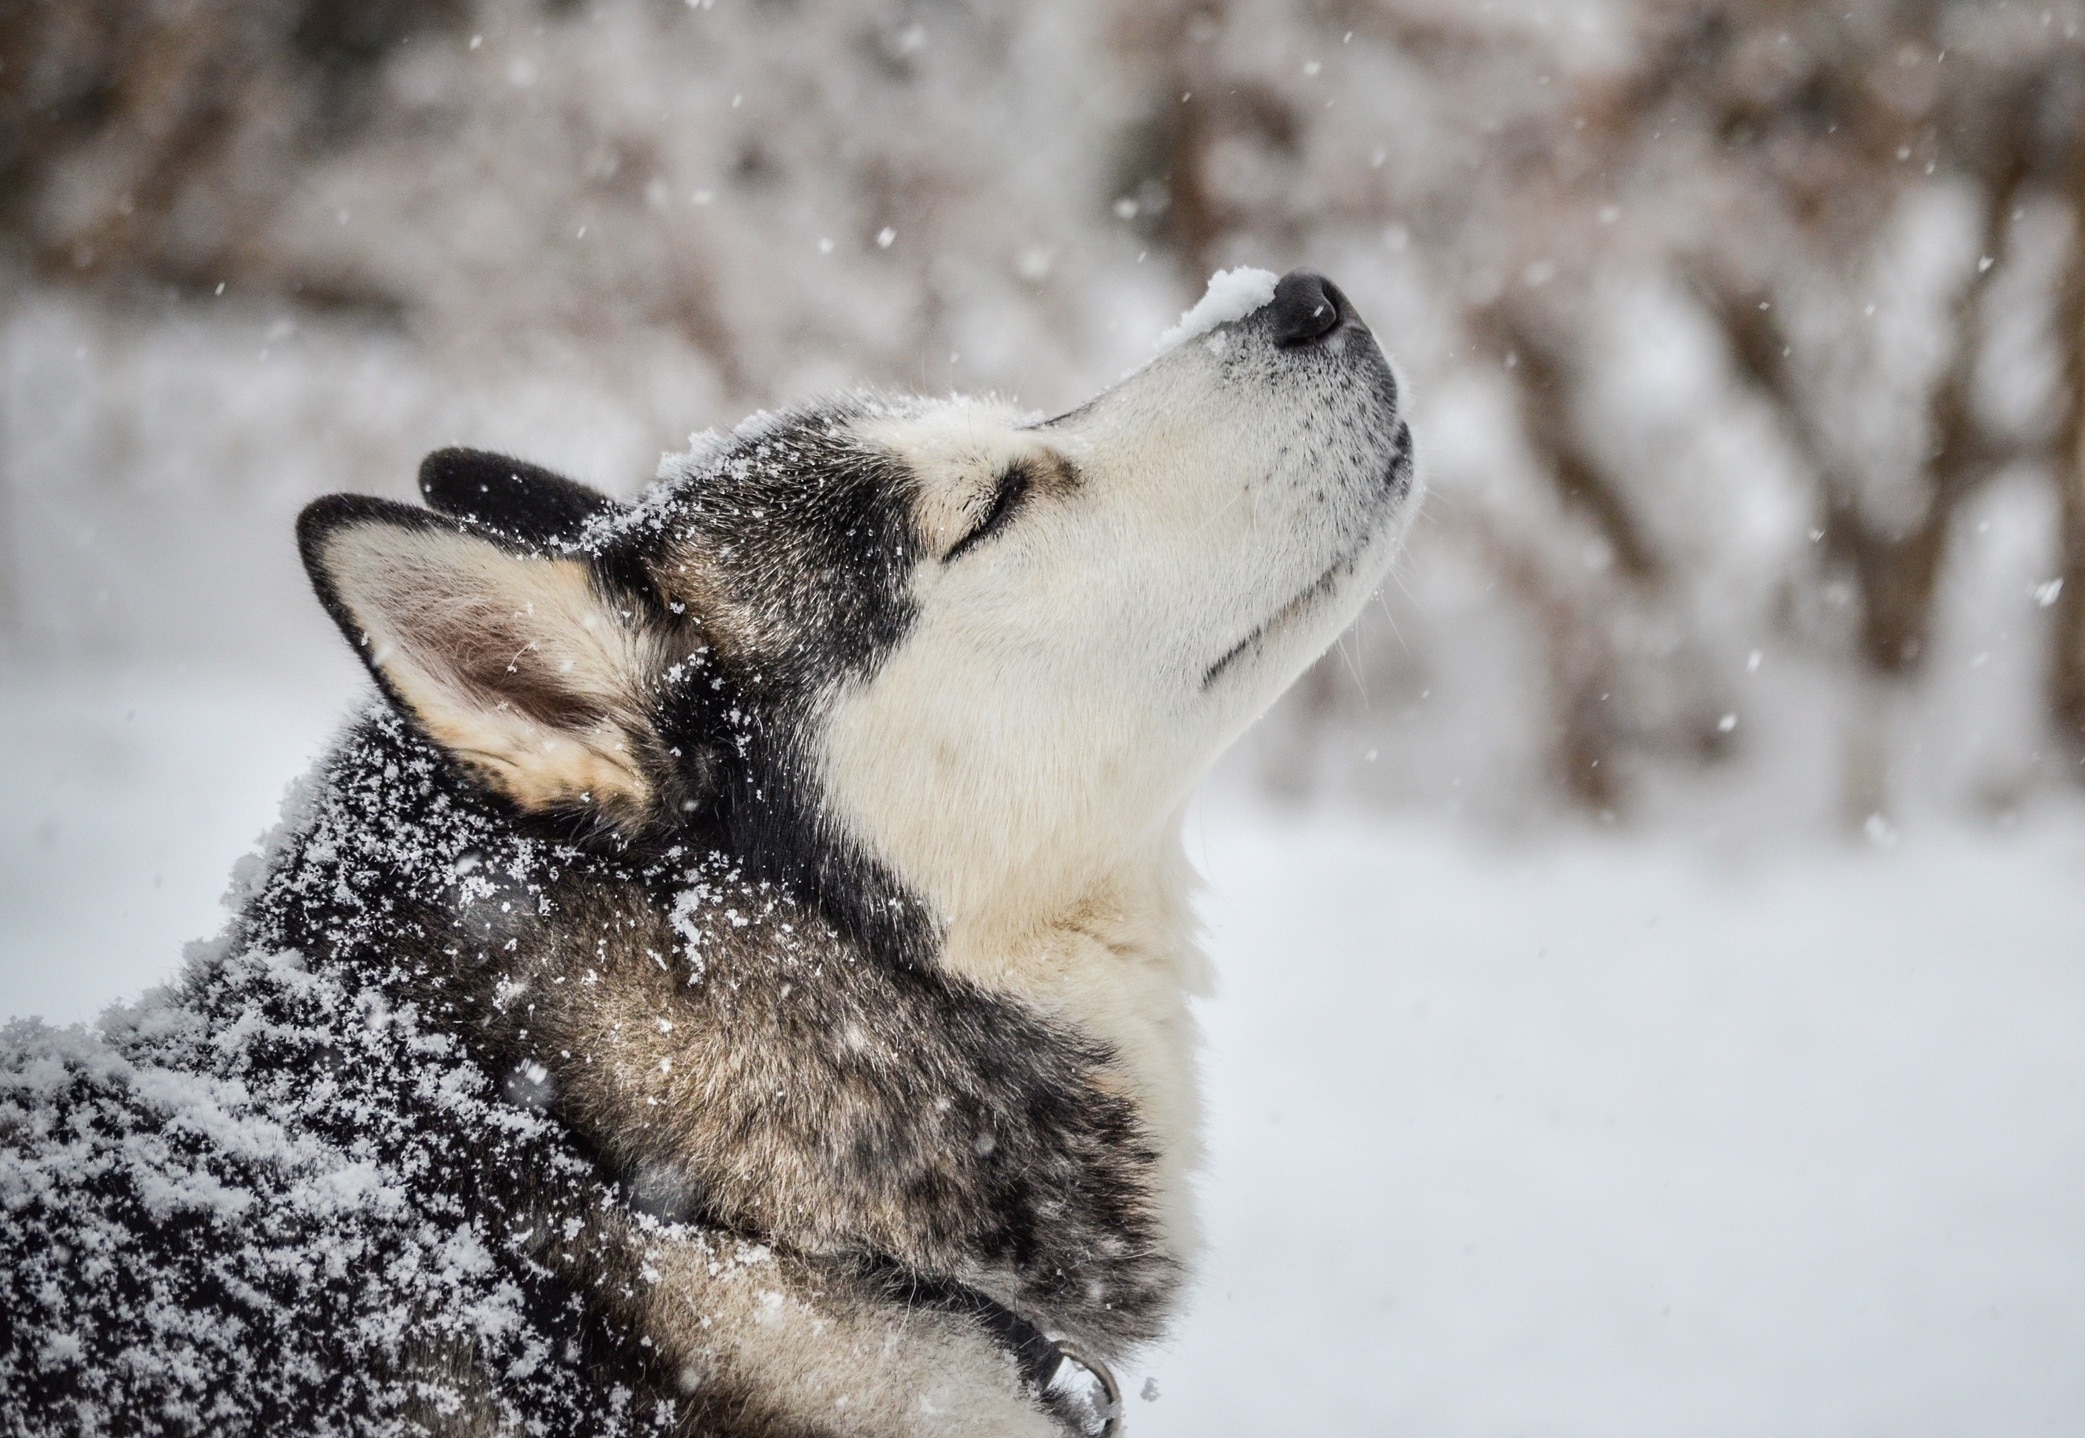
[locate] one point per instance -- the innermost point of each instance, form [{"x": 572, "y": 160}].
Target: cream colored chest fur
[{"x": 1120, "y": 965}]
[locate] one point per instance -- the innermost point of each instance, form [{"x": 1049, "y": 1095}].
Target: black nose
[{"x": 1307, "y": 307}]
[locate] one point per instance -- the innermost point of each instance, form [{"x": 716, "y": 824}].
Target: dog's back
[
  {"x": 273, "y": 1200},
  {"x": 309, "y": 1188}
]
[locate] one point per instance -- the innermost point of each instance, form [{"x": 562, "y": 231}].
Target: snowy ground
[
  {"x": 1596, "y": 1136},
  {"x": 1608, "y": 1141}
]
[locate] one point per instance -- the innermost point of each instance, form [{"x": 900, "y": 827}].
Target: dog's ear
[
  {"x": 519, "y": 500},
  {"x": 523, "y": 666}
]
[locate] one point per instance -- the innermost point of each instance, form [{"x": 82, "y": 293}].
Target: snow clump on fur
[{"x": 1232, "y": 295}]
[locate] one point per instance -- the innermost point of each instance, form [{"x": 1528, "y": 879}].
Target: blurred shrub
[{"x": 1744, "y": 336}]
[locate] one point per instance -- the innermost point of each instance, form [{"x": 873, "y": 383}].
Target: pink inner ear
[
  {"x": 491, "y": 631},
  {"x": 489, "y": 651}
]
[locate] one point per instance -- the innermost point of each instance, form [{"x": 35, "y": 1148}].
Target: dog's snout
[{"x": 1307, "y": 307}]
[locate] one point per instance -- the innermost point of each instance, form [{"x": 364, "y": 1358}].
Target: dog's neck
[{"x": 1114, "y": 958}]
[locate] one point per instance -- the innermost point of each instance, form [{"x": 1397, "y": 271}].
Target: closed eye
[{"x": 1014, "y": 485}]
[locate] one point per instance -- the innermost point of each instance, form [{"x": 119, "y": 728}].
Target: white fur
[{"x": 1021, "y": 761}]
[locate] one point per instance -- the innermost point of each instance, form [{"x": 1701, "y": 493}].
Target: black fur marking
[
  {"x": 524, "y": 502},
  {"x": 1014, "y": 486},
  {"x": 812, "y": 535}
]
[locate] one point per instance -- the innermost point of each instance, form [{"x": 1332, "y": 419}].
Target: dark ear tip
[
  {"x": 442, "y": 470},
  {"x": 329, "y": 512},
  {"x": 522, "y": 501},
  {"x": 319, "y": 518}
]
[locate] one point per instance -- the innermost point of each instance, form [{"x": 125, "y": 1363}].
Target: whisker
[{"x": 1353, "y": 669}]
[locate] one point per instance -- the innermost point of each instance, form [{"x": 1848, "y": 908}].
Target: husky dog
[{"x": 734, "y": 980}]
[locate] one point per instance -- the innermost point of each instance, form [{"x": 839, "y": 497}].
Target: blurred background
[{"x": 1652, "y": 944}]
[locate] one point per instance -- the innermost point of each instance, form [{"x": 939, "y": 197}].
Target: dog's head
[{"x": 912, "y": 652}]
